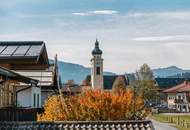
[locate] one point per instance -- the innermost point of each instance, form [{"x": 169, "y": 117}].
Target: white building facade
[{"x": 178, "y": 97}]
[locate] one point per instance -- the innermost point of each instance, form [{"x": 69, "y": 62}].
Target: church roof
[
  {"x": 96, "y": 50},
  {"x": 110, "y": 79}
]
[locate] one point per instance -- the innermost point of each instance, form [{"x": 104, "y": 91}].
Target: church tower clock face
[{"x": 97, "y": 67}]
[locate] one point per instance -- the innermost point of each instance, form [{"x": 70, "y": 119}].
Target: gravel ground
[{"x": 162, "y": 126}]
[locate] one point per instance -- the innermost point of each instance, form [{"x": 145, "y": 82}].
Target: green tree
[
  {"x": 119, "y": 85},
  {"x": 146, "y": 83},
  {"x": 145, "y": 73}
]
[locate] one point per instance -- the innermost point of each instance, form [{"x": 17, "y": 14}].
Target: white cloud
[
  {"x": 163, "y": 38},
  {"x": 104, "y": 12},
  {"x": 88, "y": 13},
  {"x": 96, "y": 12},
  {"x": 81, "y": 14}
]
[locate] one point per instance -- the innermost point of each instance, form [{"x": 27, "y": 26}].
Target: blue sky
[{"x": 131, "y": 32}]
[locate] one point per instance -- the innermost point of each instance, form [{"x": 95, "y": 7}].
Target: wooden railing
[{"x": 19, "y": 114}]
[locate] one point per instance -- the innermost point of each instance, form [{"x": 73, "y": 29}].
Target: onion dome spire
[{"x": 96, "y": 50}]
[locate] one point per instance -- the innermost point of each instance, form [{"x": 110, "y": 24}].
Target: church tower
[{"x": 97, "y": 67}]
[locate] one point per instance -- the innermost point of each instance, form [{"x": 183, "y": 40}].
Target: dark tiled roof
[
  {"x": 164, "y": 83},
  {"x": 110, "y": 79},
  {"x": 82, "y": 125}
]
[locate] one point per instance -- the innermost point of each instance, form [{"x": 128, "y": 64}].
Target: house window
[
  {"x": 38, "y": 100},
  {"x": 34, "y": 100},
  {"x": 98, "y": 70}
]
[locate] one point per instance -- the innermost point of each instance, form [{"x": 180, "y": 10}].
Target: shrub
[{"x": 94, "y": 105}]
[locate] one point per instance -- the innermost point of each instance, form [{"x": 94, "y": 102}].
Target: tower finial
[
  {"x": 96, "y": 50},
  {"x": 97, "y": 43}
]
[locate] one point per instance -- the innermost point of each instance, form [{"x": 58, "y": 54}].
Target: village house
[
  {"x": 11, "y": 91},
  {"x": 178, "y": 97},
  {"x": 30, "y": 59}
]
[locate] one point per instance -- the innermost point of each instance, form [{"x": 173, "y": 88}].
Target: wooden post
[{"x": 178, "y": 120}]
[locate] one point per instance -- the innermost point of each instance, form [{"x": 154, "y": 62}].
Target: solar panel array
[{"x": 20, "y": 50}]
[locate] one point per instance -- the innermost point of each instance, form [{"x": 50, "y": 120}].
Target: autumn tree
[
  {"x": 119, "y": 85},
  {"x": 93, "y": 105}
]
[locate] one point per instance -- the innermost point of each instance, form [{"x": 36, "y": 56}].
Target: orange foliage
[{"x": 93, "y": 105}]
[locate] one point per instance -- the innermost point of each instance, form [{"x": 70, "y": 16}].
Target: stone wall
[{"x": 79, "y": 125}]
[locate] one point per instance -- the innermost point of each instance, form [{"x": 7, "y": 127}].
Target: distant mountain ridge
[
  {"x": 169, "y": 71},
  {"x": 78, "y": 72}
]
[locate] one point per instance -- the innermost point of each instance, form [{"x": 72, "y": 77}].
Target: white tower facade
[{"x": 97, "y": 68}]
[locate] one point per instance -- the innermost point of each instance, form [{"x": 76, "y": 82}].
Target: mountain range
[
  {"x": 76, "y": 72},
  {"x": 171, "y": 71}
]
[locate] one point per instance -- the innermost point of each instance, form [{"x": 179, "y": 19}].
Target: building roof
[
  {"x": 108, "y": 80},
  {"x": 85, "y": 125},
  {"x": 165, "y": 83},
  {"x": 178, "y": 88},
  {"x": 8, "y": 74},
  {"x": 25, "y": 52},
  {"x": 131, "y": 78},
  {"x": 96, "y": 50},
  {"x": 185, "y": 89}
]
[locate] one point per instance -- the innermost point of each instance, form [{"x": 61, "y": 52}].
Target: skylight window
[
  {"x": 34, "y": 50},
  {"x": 2, "y": 48},
  {"x": 21, "y": 51},
  {"x": 9, "y": 50}
]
